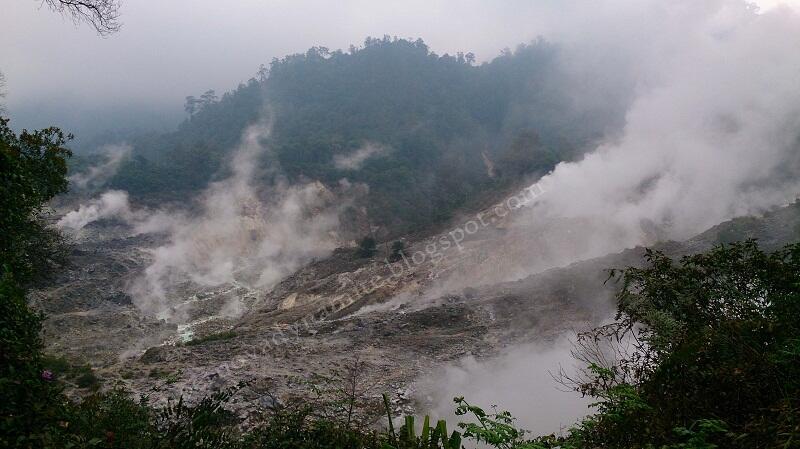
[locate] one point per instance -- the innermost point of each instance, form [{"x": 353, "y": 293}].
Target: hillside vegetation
[{"x": 427, "y": 133}]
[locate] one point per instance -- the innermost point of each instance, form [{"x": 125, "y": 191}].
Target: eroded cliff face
[{"x": 401, "y": 317}]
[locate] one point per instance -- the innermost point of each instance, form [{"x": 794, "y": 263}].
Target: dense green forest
[{"x": 440, "y": 122}]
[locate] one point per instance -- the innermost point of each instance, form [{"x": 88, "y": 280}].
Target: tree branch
[{"x": 102, "y": 15}]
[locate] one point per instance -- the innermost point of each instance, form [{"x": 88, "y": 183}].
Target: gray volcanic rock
[{"x": 397, "y": 319}]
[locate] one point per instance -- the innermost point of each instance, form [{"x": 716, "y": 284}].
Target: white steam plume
[
  {"x": 113, "y": 203},
  {"x": 98, "y": 174},
  {"x": 355, "y": 160},
  {"x": 239, "y": 237},
  {"x": 712, "y": 132},
  {"x": 520, "y": 380}
]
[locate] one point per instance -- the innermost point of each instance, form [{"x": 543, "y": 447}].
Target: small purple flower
[{"x": 47, "y": 375}]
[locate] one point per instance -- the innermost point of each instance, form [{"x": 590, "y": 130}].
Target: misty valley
[{"x": 590, "y": 238}]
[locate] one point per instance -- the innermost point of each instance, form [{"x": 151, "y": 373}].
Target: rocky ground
[{"x": 397, "y": 321}]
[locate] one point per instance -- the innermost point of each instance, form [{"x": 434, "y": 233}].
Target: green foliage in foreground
[
  {"x": 81, "y": 375},
  {"x": 713, "y": 355},
  {"x": 33, "y": 170}
]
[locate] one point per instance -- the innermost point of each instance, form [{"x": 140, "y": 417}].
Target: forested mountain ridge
[{"x": 428, "y": 132}]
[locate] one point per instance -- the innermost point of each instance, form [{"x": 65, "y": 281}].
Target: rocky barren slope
[{"x": 399, "y": 321}]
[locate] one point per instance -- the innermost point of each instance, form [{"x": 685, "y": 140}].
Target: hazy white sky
[
  {"x": 169, "y": 49},
  {"x": 767, "y": 4}
]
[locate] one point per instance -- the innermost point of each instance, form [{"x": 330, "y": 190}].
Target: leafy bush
[
  {"x": 30, "y": 400},
  {"x": 367, "y": 247},
  {"x": 88, "y": 380},
  {"x": 715, "y": 359},
  {"x": 81, "y": 375},
  {"x": 33, "y": 170},
  {"x": 398, "y": 251}
]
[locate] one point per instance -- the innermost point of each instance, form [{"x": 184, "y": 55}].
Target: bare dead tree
[
  {"x": 346, "y": 395},
  {"x": 614, "y": 348},
  {"x": 102, "y": 15}
]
